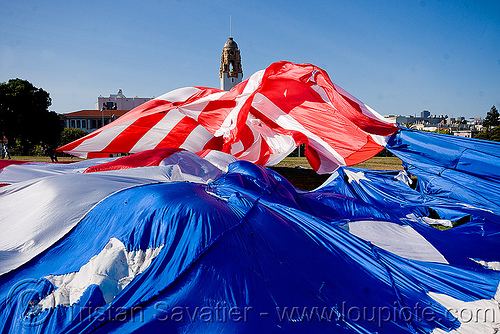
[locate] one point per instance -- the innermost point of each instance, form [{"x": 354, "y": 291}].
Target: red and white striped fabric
[{"x": 261, "y": 120}]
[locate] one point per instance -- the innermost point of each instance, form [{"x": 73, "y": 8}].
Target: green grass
[
  {"x": 43, "y": 158},
  {"x": 382, "y": 163},
  {"x": 378, "y": 163}
]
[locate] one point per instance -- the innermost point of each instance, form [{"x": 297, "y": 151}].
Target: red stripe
[
  {"x": 72, "y": 145},
  {"x": 144, "y": 109},
  {"x": 247, "y": 137},
  {"x": 234, "y": 135},
  {"x": 369, "y": 150},
  {"x": 133, "y": 133},
  {"x": 265, "y": 153},
  {"x": 177, "y": 136},
  {"x": 203, "y": 153},
  {"x": 216, "y": 111},
  {"x": 288, "y": 94},
  {"x": 318, "y": 117},
  {"x": 142, "y": 159},
  {"x": 312, "y": 157},
  {"x": 216, "y": 143},
  {"x": 93, "y": 155},
  {"x": 5, "y": 163}
]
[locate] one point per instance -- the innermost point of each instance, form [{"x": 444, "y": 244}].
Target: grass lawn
[
  {"x": 43, "y": 158},
  {"x": 379, "y": 163}
]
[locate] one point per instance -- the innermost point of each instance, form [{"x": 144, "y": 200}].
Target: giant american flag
[
  {"x": 166, "y": 240},
  {"x": 261, "y": 120}
]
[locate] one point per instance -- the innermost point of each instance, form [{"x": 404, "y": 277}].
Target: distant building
[
  {"x": 119, "y": 101},
  {"x": 107, "y": 109},
  {"x": 471, "y": 133},
  {"x": 443, "y": 124},
  {"x": 450, "y": 120},
  {"x": 230, "y": 72},
  {"x": 91, "y": 120},
  {"x": 475, "y": 120},
  {"x": 409, "y": 121}
]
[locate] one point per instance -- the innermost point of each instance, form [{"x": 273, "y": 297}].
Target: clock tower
[{"x": 230, "y": 72}]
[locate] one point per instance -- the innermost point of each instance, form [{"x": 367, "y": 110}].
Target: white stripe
[
  {"x": 38, "y": 212},
  {"x": 268, "y": 108},
  {"x": 35, "y": 170},
  {"x": 253, "y": 153},
  {"x": 103, "y": 138},
  {"x": 326, "y": 165},
  {"x": 178, "y": 95},
  {"x": 237, "y": 148},
  {"x": 373, "y": 112},
  {"x": 231, "y": 120},
  {"x": 282, "y": 145},
  {"x": 253, "y": 82},
  {"x": 195, "y": 108},
  {"x": 321, "y": 92},
  {"x": 401, "y": 240},
  {"x": 197, "y": 139},
  {"x": 381, "y": 140},
  {"x": 78, "y": 154},
  {"x": 156, "y": 134},
  {"x": 476, "y": 316}
]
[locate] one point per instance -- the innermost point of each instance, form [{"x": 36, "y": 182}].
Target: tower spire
[{"x": 230, "y": 72}]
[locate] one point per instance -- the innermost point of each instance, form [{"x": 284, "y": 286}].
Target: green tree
[
  {"x": 24, "y": 114},
  {"x": 482, "y": 135},
  {"x": 492, "y": 118},
  {"x": 71, "y": 134},
  {"x": 493, "y": 134}
]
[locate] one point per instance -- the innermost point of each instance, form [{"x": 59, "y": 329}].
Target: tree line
[
  {"x": 25, "y": 119},
  {"x": 491, "y": 126}
]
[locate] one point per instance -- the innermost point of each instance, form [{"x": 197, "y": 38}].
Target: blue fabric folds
[{"x": 248, "y": 252}]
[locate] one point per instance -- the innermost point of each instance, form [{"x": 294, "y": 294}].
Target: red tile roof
[{"x": 95, "y": 113}]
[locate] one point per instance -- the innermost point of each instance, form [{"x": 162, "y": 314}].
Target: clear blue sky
[{"x": 398, "y": 56}]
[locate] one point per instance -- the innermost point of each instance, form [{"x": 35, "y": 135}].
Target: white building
[
  {"x": 119, "y": 101},
  {"x": 107, "y": 109}
]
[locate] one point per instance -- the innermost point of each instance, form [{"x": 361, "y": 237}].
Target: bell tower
[{"x": 230, "y": 72}]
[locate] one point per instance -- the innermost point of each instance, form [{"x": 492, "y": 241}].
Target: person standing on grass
[
  {"x": 51, "y": 153},
  {"x": 5, "y": 147}
]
